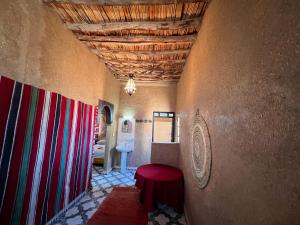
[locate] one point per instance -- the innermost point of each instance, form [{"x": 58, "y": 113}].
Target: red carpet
[{"x": 120, "y": 207}]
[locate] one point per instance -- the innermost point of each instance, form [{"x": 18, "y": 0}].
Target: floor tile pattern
[{"x": 102, "y": 185}]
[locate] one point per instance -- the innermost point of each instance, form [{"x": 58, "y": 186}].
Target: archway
[{"x": 102, "y": 154}]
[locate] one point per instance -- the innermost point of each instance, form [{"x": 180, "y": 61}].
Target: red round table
[{"x": 160, "y": 184}]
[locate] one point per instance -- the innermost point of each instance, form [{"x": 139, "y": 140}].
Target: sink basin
[
  {"x": 120, "y": 149},
  {"x": 125, "y": 147}
]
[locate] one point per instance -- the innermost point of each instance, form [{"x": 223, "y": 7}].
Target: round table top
[{"x": 159, "y": 172}]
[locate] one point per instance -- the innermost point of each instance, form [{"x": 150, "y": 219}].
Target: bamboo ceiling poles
[
  {"x": 150, "y": 38},
  {"x": 122, "y": 2}
]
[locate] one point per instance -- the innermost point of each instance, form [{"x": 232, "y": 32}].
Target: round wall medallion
[{"x": 201, "y": 151}]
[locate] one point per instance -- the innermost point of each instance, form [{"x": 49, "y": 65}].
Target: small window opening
[
  {"x": 177, "y": 129},
  {"x": 163, "y": 127}
]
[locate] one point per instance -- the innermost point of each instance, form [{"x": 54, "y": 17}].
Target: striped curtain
[{"x": 45, "y": 152}]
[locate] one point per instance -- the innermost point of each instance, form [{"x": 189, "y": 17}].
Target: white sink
[{"x": 124, "y": 149}]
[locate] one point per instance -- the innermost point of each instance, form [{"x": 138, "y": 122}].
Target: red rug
[{"x": 120, "y": 207}]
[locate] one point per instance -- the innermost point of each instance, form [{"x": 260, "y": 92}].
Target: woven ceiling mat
[{"x": 149, "y": 38}]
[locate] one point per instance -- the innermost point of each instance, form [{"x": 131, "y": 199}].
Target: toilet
[{"x": 125, "y": 140}]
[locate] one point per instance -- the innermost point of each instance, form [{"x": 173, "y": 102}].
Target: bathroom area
[
  {"x": 129, "y": 132},
  {"x": 170, "y": 112}
]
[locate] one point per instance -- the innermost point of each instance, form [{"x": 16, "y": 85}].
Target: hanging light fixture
[{"x": 130, "y": 87}]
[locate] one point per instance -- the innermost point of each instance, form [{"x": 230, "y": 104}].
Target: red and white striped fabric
[{"x": 45, "y": 152}]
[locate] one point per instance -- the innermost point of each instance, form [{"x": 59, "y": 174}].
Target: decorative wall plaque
[{"x": 201, "y": 151}]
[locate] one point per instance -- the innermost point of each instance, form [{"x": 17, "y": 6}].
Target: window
[
  {"x": 177, "y": 129},
  {"x": 163, "y": 127}
]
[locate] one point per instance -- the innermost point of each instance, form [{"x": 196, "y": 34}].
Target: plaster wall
[
  {"x": 243, "y": 75},
  {"x": 37, "y": 49},
  {"x": 141, "y": 106},
  {"x": 165, "y": 153}
]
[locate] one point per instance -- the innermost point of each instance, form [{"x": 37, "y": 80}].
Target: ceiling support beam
[
  {"x": 123, "y": 2},
  {"x": 141, "y": 74},
  {"x": 149, "y": 79},
  {"x": 146, "y": 72},
  {"x": 135, "y": 25},
  {"x": 145, "y": 66},
  {"x": 141, "y": 53},
  {"x": 137, "y": 39},
  {"x": 139, "y": 60},
  {"x": 137, "y": 47},
  {"x": 146, "y": 62}
]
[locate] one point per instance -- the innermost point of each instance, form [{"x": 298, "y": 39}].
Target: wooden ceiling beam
[
  {"x": 134, "y": 47},
  {"x": 135, "y": 25},
  {"x": 172, "y": 79},
  {"x": 160, "y": 79},
  {"x": 148, "y": 67},
  {"x": 137, "y": 38},
  {"x": 141, "y": 53},
  {"x": 123, "y": 2},
  {"x": 143, "y": 73},
  {"x": 145, "y": 62},
  {"x": 143, "y": 49},
  {"x": 149, "y": 78},
  {"x": 146, "y": 72},
  {"x": 145, "y": 81},
  {"x": 141, "y": 60},
  {"x": 141, "y": 76},
  {"x": 166, "y": 67}
]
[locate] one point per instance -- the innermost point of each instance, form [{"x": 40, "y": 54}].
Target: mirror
[{"x": 127, "y": 126}]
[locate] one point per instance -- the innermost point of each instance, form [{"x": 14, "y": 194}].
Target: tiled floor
[{"x": 102, "y": 185}]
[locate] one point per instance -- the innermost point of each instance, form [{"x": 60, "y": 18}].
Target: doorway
[{"x": 102, "y": 149}]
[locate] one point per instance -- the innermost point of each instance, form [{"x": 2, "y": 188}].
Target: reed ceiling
[{"x": 148, "y": 38}]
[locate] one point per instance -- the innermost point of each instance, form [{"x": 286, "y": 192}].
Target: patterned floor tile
[
  {"x": 102, "y": 186},
  {"x": 77, "y": 220}
]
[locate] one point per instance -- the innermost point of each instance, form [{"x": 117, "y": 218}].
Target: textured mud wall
[
  {"x": 243, "y": 75},
  {"x": 35, "y": 48},
  {"x": 141, "y": 106},
  {"x": 165, "y": 153}
]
